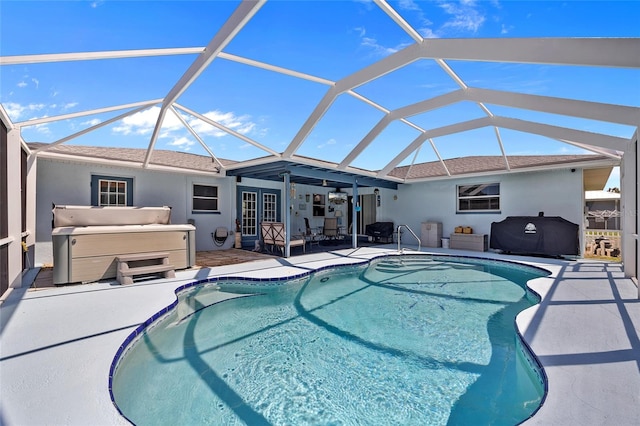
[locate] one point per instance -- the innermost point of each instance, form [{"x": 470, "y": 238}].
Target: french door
[{"x": 256, "y": 205}]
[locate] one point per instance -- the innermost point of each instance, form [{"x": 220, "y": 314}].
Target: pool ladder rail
[{"x": 412, "y": 233}]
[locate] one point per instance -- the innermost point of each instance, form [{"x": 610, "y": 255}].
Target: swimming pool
[{"x": 400, "y": 340}]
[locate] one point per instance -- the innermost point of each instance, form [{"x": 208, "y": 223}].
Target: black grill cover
[
  {"x": 543, "y": 235},
  {"x": 379, "y": 229}
]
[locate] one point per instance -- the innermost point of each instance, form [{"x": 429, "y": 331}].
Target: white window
[
  {"x": 205, "y": 198},
  {"x": 112, "y": 192},
  {"x": 483, "y": 197}
]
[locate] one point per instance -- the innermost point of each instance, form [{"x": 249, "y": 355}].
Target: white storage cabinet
[{"x": 431, "y": 234}]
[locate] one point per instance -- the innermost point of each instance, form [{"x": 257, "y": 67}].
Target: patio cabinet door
[{"x": 256, "y": 205}]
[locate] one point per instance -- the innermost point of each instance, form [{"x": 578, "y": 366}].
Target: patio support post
[
  {"x": 354, "y": 224},
  {"x": 30, "y": 215},
  {"x": 287, "y": 214},
  {"x": 14, "y": 190},
  {"x": 629, "y": 206}
]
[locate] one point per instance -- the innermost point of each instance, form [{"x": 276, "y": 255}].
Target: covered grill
[
  {"x": 541, "y": 235},
  {"x": 380, "y": 231}
]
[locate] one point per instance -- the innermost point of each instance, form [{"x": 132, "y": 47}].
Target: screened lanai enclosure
[{"x": 286, "y": 87}]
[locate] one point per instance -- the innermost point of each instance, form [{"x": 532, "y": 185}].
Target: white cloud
[
  {"x": 63, "y": 107},
  {"x": 14, "y": 110},
  {"x": 327, "y": 143},
  {"x": 464, "y": 16},
  {"x": 42, "y": 129},
  {"x": 143, "y": 123},
  {"x": 427, "y": 33},
  {"x": 92, "y": 122},
  {"x": 372, "y": 43},
  {"x": 408, "y": 5},
  {"x": 182, "y": 142},
  {"x": 413, "y": 8},
  {"x": 36, "y": 107},
  {"x": 140, "y": 123},
  {"x": 17, "y": 111},
  {"x": 361, "y": 31},
  {"x": 239, "y": 123},
  {"x": 25, "y": 82},
  {"x": 379, "y": 49}
]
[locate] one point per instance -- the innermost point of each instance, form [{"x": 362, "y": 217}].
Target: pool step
[{"x": 406, "y": 265}]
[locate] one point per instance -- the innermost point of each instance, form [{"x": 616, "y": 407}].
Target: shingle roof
[
  {"x": 180, "y": 160},
  {"x": 194, "y": 162},
  {"x": 488, "y": 163}
]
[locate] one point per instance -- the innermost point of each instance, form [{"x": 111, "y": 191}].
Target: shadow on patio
[{"x": 585, "y": 334}]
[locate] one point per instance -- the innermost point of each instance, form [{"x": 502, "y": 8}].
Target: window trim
[
  {"x": 478, "y": 197},
  {"x": 193, "y": 197},
  {"x": 95, "y": 189}
]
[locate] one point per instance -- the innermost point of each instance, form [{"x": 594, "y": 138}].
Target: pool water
[{"x": 403, "y": 340}]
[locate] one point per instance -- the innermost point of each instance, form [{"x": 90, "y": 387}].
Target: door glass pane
[
  {"x": 269, "y": 208},
  {"x": 249, "y": 204}
]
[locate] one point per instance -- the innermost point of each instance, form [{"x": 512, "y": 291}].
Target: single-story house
[{"x": 476, "y": 192}]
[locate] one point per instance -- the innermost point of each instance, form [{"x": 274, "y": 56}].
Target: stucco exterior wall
[
  {"x": 554, "y": 192},
  {"x": 150, "y": 188}
]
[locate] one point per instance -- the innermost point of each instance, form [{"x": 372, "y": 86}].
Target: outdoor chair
[
  {"x": 273, "y": 236},
  {"x": 313, "y": 237},
  {"x": 330, "y": 229}
]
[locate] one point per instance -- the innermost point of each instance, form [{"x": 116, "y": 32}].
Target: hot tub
[{"x": 87, "y": 240}]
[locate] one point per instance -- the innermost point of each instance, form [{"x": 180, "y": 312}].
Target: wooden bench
[
  {"x": 143, "y": 264},
  {"x": 477, "y": 242}
]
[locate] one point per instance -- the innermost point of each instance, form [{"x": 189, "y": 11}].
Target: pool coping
[{"x": 59, "y": 374}]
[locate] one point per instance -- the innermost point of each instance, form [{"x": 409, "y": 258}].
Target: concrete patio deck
[{"x": 58, "y": 343}]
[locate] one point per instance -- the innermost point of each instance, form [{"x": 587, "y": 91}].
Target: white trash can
[{"x": 445, "y": 243}]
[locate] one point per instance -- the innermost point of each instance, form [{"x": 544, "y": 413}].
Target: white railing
[{"x": 412, "y": 233}]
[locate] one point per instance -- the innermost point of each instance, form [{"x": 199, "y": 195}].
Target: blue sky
[{"x": 326, "y": 39}]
